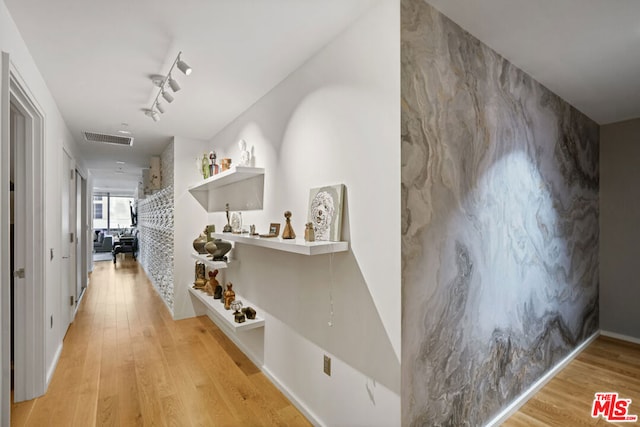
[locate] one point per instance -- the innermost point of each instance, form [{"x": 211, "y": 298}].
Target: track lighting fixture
[
  {"x": 153, "y": 114},
  {"x": 173, "y": 84},
  {"x": 167, "y": 96},
  {"x": 184, "y": 67},
  {"x": 162, "y": 82}
]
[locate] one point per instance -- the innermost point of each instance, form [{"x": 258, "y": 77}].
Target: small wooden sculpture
[
  {"x": 213, "y": 283},
  {"x": 309, "y": 234},
  {"x": 249, "y": 312},
  {"x": 288, "y": 232},
  {"x": 200, "y": 281},
  {"x": 229, "y": 296},
  {"x": 227, "y": 227},
  {"x": 238, "y": 316}
]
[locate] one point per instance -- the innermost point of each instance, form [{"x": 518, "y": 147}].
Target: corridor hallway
[{"x": 126, "y": 362}]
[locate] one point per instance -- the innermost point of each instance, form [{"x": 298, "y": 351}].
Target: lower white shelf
[
  {"x": 224, "y": 318},
  {"x": 209, "y": 262}
]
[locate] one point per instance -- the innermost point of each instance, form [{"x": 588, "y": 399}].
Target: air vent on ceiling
[{"x": 108, "y": 139}]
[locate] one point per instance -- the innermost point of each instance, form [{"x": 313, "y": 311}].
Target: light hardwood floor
[
  {"x": 126, "y": 362},
  {"x": 607, "y": 365}
]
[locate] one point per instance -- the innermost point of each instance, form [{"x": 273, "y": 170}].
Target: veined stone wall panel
[{"x": 499, "y": 225}]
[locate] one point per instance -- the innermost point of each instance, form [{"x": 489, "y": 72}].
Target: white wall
[
  {"x": 334, "y": 120},
  {"x": 189, "y": 220},
  {"x": 56, "y": 137},
  {"x": 619, "y": 231}
]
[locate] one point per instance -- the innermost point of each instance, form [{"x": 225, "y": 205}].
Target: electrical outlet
[{"x": 327, "y": 365}]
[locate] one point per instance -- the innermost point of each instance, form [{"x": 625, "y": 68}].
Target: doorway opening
[{"x": 22, "y": 189}]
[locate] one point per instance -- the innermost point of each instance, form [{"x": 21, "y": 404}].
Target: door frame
[{"x": 29, "y": 318}]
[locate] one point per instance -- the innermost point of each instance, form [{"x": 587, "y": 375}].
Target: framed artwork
[
  {"x": 274, "y": 230},
  {"x": 325, "y": 212}
]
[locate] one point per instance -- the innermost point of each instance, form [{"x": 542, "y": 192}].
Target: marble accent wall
[
  {"x": 499, "y": 225},
  {"x": 156, "y": 225}
]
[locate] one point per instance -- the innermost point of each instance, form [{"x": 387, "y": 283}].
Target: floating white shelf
[
  {"x": 241, "y": 187},
  {"x": 224, "y": 318},
  {"x": 297, "y": 246},
  {"x": 208, "y": 262},
  {"x": 234, "y": 174}
]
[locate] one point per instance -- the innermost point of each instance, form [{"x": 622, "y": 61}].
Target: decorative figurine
[
  {"x": 213, "y": 283},
  {"x": 211, "y": 228},
  {"x": 205, "y": 166},
  {"x": 226, "y": 164},
  {"x": 200, "y": 280},
  {"x": 227, "y": 228},
  {"x": 309, "y": 234},
  {"x": 229, "y": 296},
  {"x": 288, "y": 232},
  {"x": 249, "y": 312},
  {"x": 217, "y": 291},
  {"x": 252, "y": 230},
  {"x": 217, "y": 248},
  {"x": 245, "y": 155},
  {"x": 199, "y": 242},
  {"x": 212, "y": 163},
  {"x": 238, "y": 316}
]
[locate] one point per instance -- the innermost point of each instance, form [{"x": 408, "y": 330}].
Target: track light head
[
  {"x": 153, "y": 114},
  {"x": 184, "y": 67},
  {"x": 167, "y": 96},
  {"x": 173, "y": 84},
  {"x": 160, "y": 107}
]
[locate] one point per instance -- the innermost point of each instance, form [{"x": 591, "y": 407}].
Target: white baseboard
[
  {"x": 528, "y": 394},
  {"x": 313, "y": 419},
  {"x": 620, "y": 337},
  {"x": 54, "y": 364}
]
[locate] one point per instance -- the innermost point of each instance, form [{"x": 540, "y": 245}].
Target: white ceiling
[
  {"x": 97, "y": 56},
  {"x": 586, "y": 51}
]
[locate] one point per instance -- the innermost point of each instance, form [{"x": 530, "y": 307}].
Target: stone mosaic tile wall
[
  {"x": 166, "y": 165},
  {"x": 155, "y": 225},
  {"x": 499, "y": 225}
]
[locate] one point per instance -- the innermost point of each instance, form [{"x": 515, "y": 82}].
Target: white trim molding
[{"x": 620, "y": 337}]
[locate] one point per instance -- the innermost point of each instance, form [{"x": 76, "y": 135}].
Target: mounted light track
[{"x": 162, "y": 82}]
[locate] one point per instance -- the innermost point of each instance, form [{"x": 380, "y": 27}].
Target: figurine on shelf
[
  {"x": 226, "y": 164},
  {"x": 199, "y": 242},
  {"x": 229, "y": 296},
  {"x": 211, "y": 228},
  {"x": 205, "y": 166},
  {"x": 217, "y": 292},
  {"x": 213, "y": 283},
  {"x": 238, "y": 316},
  {"x": 200, "y": 281},
  {"x": 213, "y": 167},
  {"x": 309, "y": 234},
  {"x": 252, "y": 230},
  {"x": 249, "y": 312},
  {"x": 227, "y": 228},
  {"x": 245, "y": 155},
  {"x": 288, "y": 232}
]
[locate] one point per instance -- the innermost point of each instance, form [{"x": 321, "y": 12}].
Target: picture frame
[
  {"x": 274, "y": 230},
  {"x": 325, "y": 212}
]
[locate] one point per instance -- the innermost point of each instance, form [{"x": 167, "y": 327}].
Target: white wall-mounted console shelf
[
  {"x": 296, "y": 246},
  {"x": 224, "y": 318},
  {"x": 240, "y": 186},
  {"x": 208, "y": 262}
]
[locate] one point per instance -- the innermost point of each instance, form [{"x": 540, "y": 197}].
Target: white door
[
  {"x": 80, "y": 242},
  {"x": 68, "y": 237}
]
